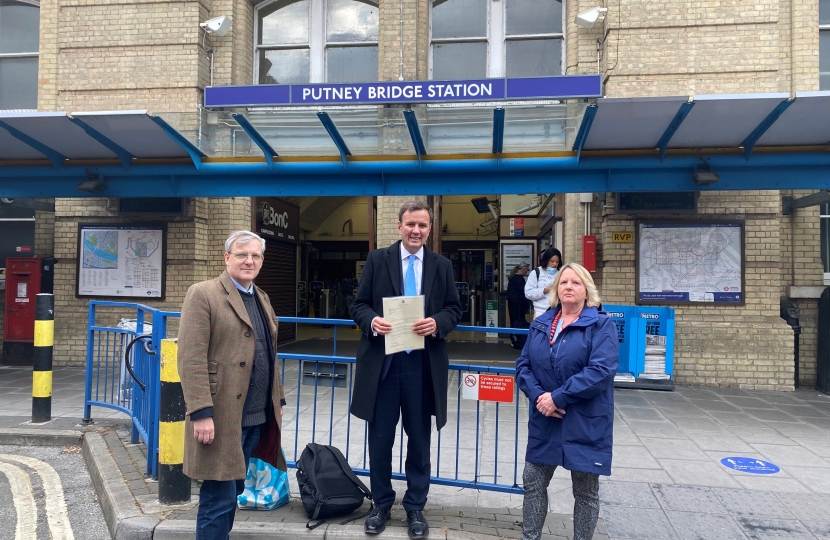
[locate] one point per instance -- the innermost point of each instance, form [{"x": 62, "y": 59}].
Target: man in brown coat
[{"x": 234, "y": 397}]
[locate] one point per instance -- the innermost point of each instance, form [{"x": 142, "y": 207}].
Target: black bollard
[
  {"x": 42, "y": 365},
  {"x": 174, "y": 486}
]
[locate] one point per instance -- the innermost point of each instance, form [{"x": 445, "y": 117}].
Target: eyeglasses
[{"x": 242, "y": 256}]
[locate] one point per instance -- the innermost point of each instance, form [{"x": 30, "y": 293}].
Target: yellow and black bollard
[
  {"x": 174, "y": 486},
  {"x": 42, "y": 365}
]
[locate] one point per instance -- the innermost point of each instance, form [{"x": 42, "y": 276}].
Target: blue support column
[
  {"x": 124, "y": 157},
  {"x": 758, "y": 132},
  {"x": 498, "y": 130},
  {"x": 681, "y": 115},
  {"x": 415, "y": 133},
  {"x": 258, "y": 139},
  {"x": 335, "y": 135},
  {"x": 584, "y": 129},
  {"x": 54, "y": 157}
]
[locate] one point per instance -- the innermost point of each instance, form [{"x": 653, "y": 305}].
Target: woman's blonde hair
[{"x": 592, "y": 298}]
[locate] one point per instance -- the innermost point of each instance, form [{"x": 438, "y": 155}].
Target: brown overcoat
[{"x": 215, "y": 356}]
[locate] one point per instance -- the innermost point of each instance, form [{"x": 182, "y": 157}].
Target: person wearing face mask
[{"x": 540, "y": 281}]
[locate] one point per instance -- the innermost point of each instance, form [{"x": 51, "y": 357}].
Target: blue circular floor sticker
[{"x": 750, "y": 465}]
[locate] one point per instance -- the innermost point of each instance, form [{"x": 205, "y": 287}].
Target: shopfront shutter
[{"x": 278, "y": 278}]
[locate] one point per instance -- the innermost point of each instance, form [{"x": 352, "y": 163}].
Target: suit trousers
[{"x": 404, "y": 393}]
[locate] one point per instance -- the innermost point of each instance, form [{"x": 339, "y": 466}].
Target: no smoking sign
[{"x": 484, "y": 387}]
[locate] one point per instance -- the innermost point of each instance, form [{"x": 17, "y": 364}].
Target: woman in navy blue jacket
[{"x": 567, "y": 370}]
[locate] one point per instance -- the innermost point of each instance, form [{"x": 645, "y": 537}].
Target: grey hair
[
  {"x": 414, "y": 206},
  {"x": 242, "y": 238},
  {"x": 592, "y": 294}
]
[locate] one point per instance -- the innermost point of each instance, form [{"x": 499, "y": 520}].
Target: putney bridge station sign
[{"x": 559, "y": 87}]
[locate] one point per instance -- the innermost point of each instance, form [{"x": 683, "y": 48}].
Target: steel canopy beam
[
  {"x": 554, "y": 175},
  {"x": 257, "y": 137},
  {"x": 54, "y": 157},
  {"x": 498, "y": 130},
  {"x": 195, "y": 154},
  {"x": 335, "y": 135},
  {"x": 681, "y": 115},
  {"x": 124, "y": 156},
  {"x": 584, "y": 129},
  {"x": 415, "y": 133},
  {"x": 749, "y": 143}
]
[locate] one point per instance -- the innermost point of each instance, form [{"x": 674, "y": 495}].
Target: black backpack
[{"x": 328, "y": 486}]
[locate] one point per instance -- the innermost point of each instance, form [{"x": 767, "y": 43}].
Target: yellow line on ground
[
  {"x": 56, "y": 514},
  {"x": 24, "y": 502}
]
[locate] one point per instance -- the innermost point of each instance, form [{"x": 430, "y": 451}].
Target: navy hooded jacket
[{"x": 578, "y": 371}]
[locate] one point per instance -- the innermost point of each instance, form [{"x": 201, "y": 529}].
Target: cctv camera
[
  {"x": 587, "y": 19},
  {"x": 218, "y": 25}
]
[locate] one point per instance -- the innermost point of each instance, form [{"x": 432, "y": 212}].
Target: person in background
[
  {"x": 540, "y": 281},
  {"x": 517, "y": 303},
  {"x": 567, "y": 370}
]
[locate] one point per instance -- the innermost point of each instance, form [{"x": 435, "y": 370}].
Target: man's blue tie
[{"x": 410, "y": 287}]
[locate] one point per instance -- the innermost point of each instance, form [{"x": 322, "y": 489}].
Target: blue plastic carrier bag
[{"x": 266, "y": 487}]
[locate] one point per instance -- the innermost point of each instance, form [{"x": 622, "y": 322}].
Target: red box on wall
[
  {"x": 589, "y": 252},
  {"x": 22, "y": 285}
]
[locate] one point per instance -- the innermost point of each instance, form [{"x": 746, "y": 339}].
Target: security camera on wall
[
  {"x": 218, "y": 26},
  {"x": 587, "y": 19}
]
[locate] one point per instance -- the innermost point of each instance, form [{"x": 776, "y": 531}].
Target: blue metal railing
[
  {"x": 319, "y": 399},
  {"x": 466, "y": 441},
  {"x": 131, "y": 387}
]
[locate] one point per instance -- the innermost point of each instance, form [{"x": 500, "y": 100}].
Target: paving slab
[
  {"x": 697, "y": 526},
  {"x": 770, "y": 529}
]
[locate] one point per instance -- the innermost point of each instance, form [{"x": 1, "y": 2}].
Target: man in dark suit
[{"x": 410, "y": 385}]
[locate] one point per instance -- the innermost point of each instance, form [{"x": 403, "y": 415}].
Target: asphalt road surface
[{"x": 46, "y": 492}]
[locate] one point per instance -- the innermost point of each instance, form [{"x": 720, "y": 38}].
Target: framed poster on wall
[
  {"x": 513, "y": 253},
  {"x": 690, "y": 262},
  {"x": 121, "y": 261}
]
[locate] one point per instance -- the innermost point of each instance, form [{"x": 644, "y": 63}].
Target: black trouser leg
[
  {"x": 417, "y": 423},
  {"x": 382, "y": 436}
]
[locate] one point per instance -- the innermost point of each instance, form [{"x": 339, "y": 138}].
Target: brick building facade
[{"x": 131, "y": 54}]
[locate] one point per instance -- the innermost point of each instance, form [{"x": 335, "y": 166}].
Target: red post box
[
  {"x": 589, "y": 252},
  {"x": 22, "y": 284}
]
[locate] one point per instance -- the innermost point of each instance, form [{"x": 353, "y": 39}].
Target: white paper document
[{"x": 402, "y": 312}]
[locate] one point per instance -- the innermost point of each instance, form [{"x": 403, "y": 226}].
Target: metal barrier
[
  {"x": 483, "y": 453},
  {"x": 471, "y": 448},
  {"x": 131, "y": 386}
]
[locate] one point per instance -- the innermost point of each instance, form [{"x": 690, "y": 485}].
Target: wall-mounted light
[
  {"x": 489, "y": 222},
  {"x": 703, "y": 175},
  {"x": 587, "y": 19}
]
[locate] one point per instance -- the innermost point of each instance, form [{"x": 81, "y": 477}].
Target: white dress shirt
[{"x": 419, "y": 273}]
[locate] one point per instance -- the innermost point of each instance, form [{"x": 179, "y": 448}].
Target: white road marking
[
  {"x": 24, "y": 503},
  {"x": 56, "y": 514}
]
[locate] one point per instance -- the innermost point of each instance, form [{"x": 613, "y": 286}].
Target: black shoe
[
  {"x": 376, "y": 522},
  {"x": 418, "y": 526}
]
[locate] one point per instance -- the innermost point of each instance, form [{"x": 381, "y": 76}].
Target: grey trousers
[{"x": 536, "y": 479}]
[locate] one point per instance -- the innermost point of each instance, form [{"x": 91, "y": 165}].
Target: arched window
[
  {"x": 301, "y": 41},
  {"x": 19, "y": 45},
  {"x": 496, "y": 38}
]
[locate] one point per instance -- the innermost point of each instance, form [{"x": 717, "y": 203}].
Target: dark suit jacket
[{"x": 382, "y": 277}]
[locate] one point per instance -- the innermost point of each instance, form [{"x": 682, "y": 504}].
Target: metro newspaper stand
[{"x": 637, "y": 326}]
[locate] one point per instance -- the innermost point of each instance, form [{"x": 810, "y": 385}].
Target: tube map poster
[
  {"x": 690, "y": 263},
  {"x": 122, "y": 261}
]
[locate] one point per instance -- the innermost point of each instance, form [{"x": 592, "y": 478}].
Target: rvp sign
[
  {"x": 484, "y": 387},
  {"x": 622, "y": 237}
]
